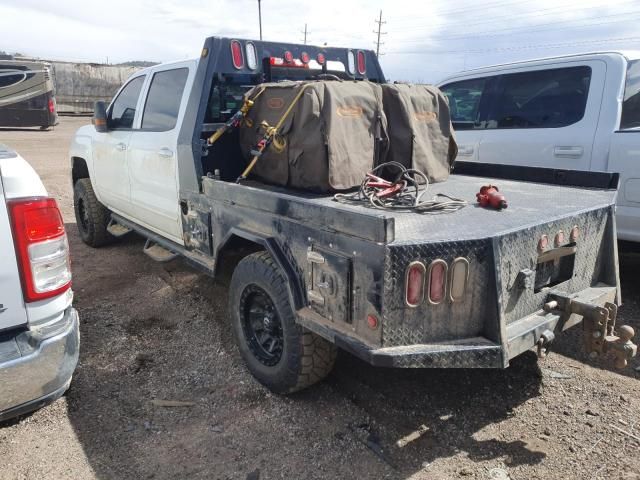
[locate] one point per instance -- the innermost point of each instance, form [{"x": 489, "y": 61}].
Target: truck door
[
  {"x": 152, "y": 153},
  {"x": 545, "y": 116},
  {"x": 111, "y": 173}
]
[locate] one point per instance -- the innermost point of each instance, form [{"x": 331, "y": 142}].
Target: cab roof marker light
[
  {"x": 236, "y": 55},
  {"x": 252, "y": 55},
  {"x": 437, "y": 287},
  {"x": 351, "y": 62},
  {"x": 321, "y": 58},
  {"x": 362, "y": 63},
  {"x": 459, "y": 278}
]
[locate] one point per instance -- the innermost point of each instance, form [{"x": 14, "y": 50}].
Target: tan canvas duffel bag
[
  {"x": 420, "y": 131},
  {"x": 327, "y": 141}
]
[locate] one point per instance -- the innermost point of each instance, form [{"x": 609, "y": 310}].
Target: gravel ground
[{"x": 160, "y": 331}]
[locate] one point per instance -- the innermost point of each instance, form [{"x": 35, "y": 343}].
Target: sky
[{"x": 424, "y": 41}]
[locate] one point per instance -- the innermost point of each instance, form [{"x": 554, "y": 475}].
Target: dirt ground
[{"x": 160, "y": 331}]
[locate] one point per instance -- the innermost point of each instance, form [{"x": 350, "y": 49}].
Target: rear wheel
[
  {"x": 278, "y": 352},
  {"x": 92, "y": 217}
]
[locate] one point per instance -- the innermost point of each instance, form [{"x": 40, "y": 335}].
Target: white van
[{"x": 578, "y": 112}]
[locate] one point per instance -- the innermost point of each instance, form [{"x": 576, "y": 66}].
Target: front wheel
[
  {"x": 92, "y": 217},
  {"x": 279, "y": 353}
]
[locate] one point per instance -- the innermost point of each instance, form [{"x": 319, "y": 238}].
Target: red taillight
[
  {"x": 372, "y": 321},
  {"x": 288, "y": 57},
  {"x": 41, "y": 247},
  {"x": 236, "y": 54},
  {"x": 362, "y": 64},
  {"x": 437, "y": 281},
  {"x": 559, "y": 240},
  {"x": 304, "y": 56},
  {"x": 52, "y": 105},
  {"x": 414, "y": 289},
  {"x": 320, "y": 58}
]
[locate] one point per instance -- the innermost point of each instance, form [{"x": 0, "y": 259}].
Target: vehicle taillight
[
  {"x": 41, "y": 247},
  {"x": 414, "y": 288},
  {"x": 320, "y": 58},
  {"x": 362, "y": 65},
  {"x": 437, "y": 281},
  {"x": 52, "y": 105},
  {"x": 459, "y": 276},
  {"x": 236, "y": 54}
]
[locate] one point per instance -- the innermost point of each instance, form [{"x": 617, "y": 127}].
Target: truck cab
[
  {"x": 579, "y": 112},
  {"x": 400, "y": 288}
]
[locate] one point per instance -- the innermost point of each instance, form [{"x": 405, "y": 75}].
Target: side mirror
[{"x": 99, "y": 119}]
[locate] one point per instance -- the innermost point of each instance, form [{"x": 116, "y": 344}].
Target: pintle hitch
[{"x": 598, "y": 321}]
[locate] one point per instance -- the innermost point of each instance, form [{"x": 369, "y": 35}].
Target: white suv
[{"x": 39, "y": 334}]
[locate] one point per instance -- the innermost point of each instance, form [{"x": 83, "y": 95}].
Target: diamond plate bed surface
[{"x": 529, "y": 204}]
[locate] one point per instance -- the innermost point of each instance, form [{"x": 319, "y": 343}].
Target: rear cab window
[
  {"x": 123, "y": 109},
  {"x": 631, "y": 103},
  {"x": 163, "y": 100}
]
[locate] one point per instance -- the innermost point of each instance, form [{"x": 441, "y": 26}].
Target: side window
[
  {"x": 464, "y": 102},
  {"x": 163, "y": 100},
  {"x": 225, "y": 100},
  {"x": 11, "y": 77},
  {"x": 631, "y": 105},
  {"x": 541, "y": 99},
  {"x": 123, "y": 109}
]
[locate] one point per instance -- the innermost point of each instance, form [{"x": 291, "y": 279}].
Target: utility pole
[
  {"x": 260, "y": 19},
  {"x": 379, "y": 33},
  {"x": 305, "y": 33}
]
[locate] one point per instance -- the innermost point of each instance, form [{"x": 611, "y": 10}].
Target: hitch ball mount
[{"x": 598, "y": 321}]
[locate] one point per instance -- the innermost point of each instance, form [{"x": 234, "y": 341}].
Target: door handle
[
  {"x": 465, "y": 150},
  {"x": 121, "y": 146},
  {"x": 570, "y": 152},
  {"x": 165, "y": 153}
]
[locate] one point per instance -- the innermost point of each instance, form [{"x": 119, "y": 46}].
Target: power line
[
  {"x": 534, "y": 28},
  {"x": 305, "y": 33},
  {"x": 520, "y": 47},
  {"x": 483, "y": 7},
  {"x": 379, "y": 32},
  {"x": 536, "y": 14}
]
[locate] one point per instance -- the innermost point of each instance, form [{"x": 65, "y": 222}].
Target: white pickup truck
[
  {"x": 39, "y": 335},
  {"x": 579, "y": 112},
  {"x": 470, "y": 288}
]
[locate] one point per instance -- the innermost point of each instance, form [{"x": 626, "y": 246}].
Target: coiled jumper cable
[{"x": 405, "y": 193}]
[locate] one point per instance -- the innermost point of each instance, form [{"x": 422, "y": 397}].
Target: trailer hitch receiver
[{"x": 598, "y": 321}]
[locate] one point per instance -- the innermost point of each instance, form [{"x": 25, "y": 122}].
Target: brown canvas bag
[
  {"x": 419, "y": 127},
  {"x": 329, "y": 136}
]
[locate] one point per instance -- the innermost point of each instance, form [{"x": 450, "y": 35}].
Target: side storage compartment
[{"x": 329, "y": 285}]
